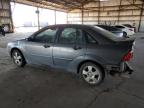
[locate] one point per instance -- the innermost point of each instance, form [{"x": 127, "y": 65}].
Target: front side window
[
  {"x": 70, "y": 36},
  {"x": 46, "y": 36}
]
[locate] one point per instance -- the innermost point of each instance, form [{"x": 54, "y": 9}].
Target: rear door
[{"x": 70, "y": 46}]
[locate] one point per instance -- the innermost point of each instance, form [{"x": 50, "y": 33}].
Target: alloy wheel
[
  {"x": 17, "y": 58},
  {"x": 91, "y": 74}
]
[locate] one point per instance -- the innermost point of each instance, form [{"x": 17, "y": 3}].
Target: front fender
[
  {"x": 12, "y": 45},
  {"x": 15, "y": 45}
]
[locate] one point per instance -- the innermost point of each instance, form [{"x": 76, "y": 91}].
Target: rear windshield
[
  {"x": 110, "y": 28},
  {"x": 106, "y": 33},
  {"x": 119, "y": 26},
  {"x": 127, "y": 25},
  {"x": 114, "y": 28}
]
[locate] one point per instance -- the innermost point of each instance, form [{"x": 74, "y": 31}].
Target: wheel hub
[
  {"x": 17, "y": 58},
  {"x": 91, "y": 74}
]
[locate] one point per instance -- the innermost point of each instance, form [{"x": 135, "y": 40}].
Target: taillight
[{"x": 128, "y": 56}]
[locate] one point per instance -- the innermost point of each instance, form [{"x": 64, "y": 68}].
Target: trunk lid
[
  {"x": 127, "y": 47},
  {"x": 125, "y": 40}
]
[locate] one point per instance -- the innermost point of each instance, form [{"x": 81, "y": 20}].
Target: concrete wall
[
  {"x": 108, "y": 12},
  {"x": 5, "y": 14}
]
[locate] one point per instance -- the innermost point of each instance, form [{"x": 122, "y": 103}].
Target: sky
[{"x": 23, "y": 14}]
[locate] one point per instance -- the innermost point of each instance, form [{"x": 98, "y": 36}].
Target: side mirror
[{"x": 30, "y": 38}]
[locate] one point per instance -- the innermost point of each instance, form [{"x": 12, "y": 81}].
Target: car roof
[
  {"x": 67, "y": 25},
  {"x": 103, "y": 25}
]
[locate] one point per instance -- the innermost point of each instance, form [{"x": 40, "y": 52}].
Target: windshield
[{"x": 106, "y": 33}]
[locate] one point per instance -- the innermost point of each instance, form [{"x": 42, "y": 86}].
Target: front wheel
[
  {"x": 91, "y": 73},
  {"x": 18, "y": 58}
]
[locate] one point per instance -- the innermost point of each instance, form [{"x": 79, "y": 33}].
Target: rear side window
[
  {"x": 70, "y": 36},
  {"x": 90, "y": 39}
]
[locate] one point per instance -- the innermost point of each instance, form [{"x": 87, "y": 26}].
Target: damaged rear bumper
[{"x": 124, "y": 67}]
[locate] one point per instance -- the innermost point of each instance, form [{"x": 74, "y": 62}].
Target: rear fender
[{"x": 74, "y": 65}]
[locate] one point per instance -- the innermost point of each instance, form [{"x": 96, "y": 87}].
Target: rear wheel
[
  {"x": 18, "y": 58},
  {"x": 91, "y": 73}
]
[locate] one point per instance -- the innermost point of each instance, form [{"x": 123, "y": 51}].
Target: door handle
[
  {"x": 46, "y": 46},
  {"x": 77, "y": 47}
]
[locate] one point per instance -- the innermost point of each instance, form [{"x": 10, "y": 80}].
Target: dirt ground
[{"x": 38, "y": 87}]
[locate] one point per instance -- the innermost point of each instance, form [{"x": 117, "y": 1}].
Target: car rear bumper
[{"x": 124, "y": 67}]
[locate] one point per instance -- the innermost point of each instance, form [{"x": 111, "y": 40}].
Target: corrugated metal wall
[
  {"x": 109, "y": 12},
  {"x": 5, "y": 14},
  {"x": 142, "y": 24}
]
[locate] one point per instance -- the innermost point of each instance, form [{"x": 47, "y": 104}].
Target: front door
[{"x": 39, "y": 48}]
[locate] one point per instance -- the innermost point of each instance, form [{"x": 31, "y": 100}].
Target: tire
[
  {"x": 18, "y": 58},
  {"x": 91, "y": 73}
]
